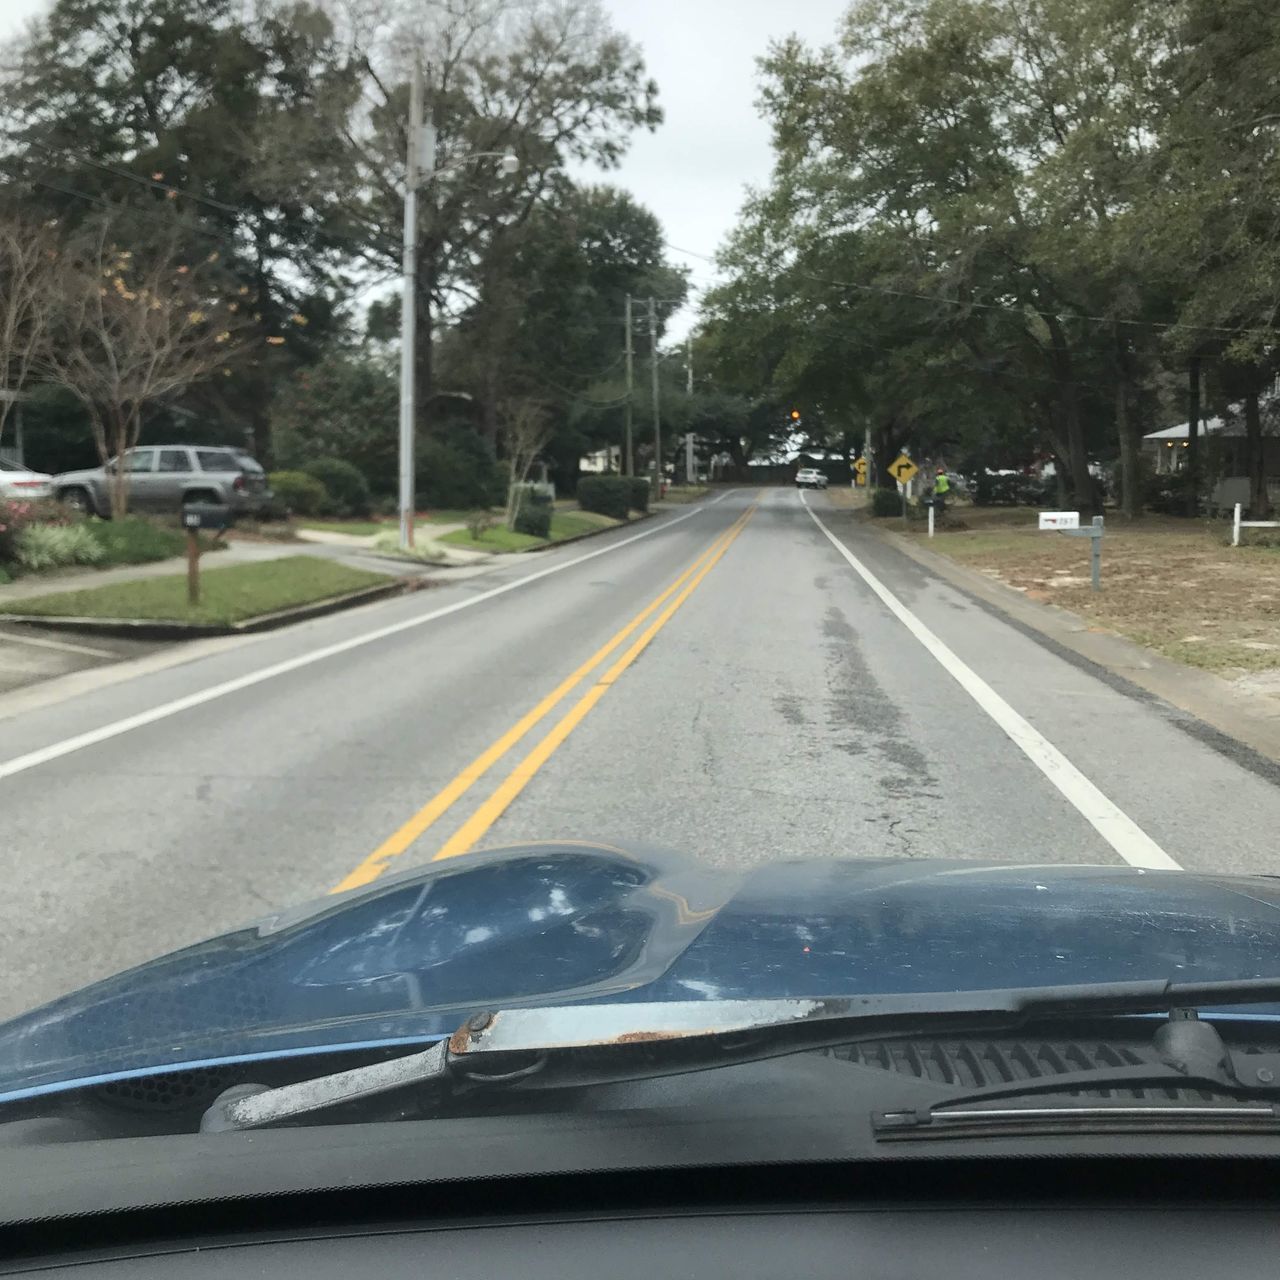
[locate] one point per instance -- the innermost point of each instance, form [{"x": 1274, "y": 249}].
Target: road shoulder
[{"x": 1242, "y": 717}]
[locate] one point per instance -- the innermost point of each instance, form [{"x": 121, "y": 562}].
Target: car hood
[
  {"x": 404, "y": 960},
  {"x": 81, "y": 476}
]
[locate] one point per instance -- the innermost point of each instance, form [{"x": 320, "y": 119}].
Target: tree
[
  {"x": 525, "y": 433},
  {"x": 127, "y": 334},
  {"x": 549, "y": 80},
  {"x": 219, "y": 111},
  {"x": 27, "y": 274}
]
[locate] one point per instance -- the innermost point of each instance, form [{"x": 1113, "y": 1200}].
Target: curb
[
  {"x": 158, "y": 629},
  {"x": 590, "y": 533},
  {"x": 1201, "y": 694}
]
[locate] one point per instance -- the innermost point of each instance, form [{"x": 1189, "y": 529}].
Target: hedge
[
  {"x": 605, "y": 495},
  {"x": 348, "y": 489},
  {"x": 640, "y": 489}
]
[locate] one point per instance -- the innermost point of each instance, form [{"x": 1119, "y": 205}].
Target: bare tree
[
  {"x": 128, "y": 334},
  {"x": 525, "y": 432},
  {"x": 28, "y": 270}
]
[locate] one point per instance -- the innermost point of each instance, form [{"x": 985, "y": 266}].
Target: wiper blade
[
  {"x": 568, "y": 1045},
  {"x": 1191, "y": 1057}
]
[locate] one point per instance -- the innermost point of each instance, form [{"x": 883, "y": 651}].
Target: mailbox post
[
  {"x": 1068, "y": 523},
  {"x": 197, "y": 516}
]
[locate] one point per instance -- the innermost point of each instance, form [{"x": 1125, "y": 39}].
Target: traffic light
[{"x": 795, "y": 415}]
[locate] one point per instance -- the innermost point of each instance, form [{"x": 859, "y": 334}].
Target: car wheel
[{"x": 80, "y": 500}]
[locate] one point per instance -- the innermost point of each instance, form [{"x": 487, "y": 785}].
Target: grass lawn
[
  {"x": 226, "y": 595},
  {"x": 1173, "y": 585},
  {"x": 685, "y": 493},
  {"x": 564, "y": 524}
]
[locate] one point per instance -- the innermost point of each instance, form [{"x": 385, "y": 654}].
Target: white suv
[{"x": 810, "y": 478}]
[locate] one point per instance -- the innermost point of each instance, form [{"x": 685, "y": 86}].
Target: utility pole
[
  {"x": 690, "y": 477},
  {"x": 408, "y": 310},
  {"x": 657, "y": 415},
  {"x": 628, "y": 468}
]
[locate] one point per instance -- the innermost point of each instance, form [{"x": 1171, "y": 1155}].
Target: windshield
[{"x": 797, "y": 520}]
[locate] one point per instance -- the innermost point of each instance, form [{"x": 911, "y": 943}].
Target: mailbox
[{"x": 206, "y": 515}]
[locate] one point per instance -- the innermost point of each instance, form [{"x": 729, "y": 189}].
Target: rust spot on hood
[{"x": 460, "y": 1041}]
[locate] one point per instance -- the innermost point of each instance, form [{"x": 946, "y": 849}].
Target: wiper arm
[{"x": 567, "y": 1045}]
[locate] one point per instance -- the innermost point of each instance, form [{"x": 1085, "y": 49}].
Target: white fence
[{"x": 1237, "y": 524}]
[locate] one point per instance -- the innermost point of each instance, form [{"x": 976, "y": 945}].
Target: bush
[
  {"x": 14, "y": 518},
  {"x": 533, "y": 518},
  {"x": 639, "y": 490},
  {"x": 605, "y": 495},
  {"x": 479, "y": 522},
  {"x": 134, "y": 540},
  {"x": 300, "y": 492},
  {"x": 457, "y": 470},
  {"x": 52, "y": 546},
  {"x": 886, "y": 502},
  {"x": 348, "y": 489}
]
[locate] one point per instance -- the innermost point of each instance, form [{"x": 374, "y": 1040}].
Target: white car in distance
[{"x": 17, "y": 484}]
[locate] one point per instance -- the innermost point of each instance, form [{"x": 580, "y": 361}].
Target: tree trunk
[
  {"x": 1193, "y": 436},
  {"x": 1064, "y": 371},
  {"x": 1130, "y": 490},
  {"x": 1259, "y": 507},
  {"x": 260, "y": 428}
]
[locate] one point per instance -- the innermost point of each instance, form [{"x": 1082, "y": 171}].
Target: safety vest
[{"x": 942, "y": 485}]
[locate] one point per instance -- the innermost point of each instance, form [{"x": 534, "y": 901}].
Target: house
[{"x": 1224, "y": 450}]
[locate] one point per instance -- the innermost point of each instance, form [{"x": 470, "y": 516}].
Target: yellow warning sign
[{"x": 902, "y": 468}]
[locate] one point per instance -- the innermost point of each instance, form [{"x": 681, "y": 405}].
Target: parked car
[
  {"x": 18, "y": 482},
  {"x": 164, "y": 477},
  {"x": 810, "y": 478}
]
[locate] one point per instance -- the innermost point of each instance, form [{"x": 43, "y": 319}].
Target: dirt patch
[{"x": 1174, "y": 585}]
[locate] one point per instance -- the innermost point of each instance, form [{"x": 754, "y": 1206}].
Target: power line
[{"x": 1009, "y": 307}]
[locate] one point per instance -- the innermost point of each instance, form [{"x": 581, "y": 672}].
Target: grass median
[
  {"x": 564, "y": 524},
  {"x": 229, "y": 595}
]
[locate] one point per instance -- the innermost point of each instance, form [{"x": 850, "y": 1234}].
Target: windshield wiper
[
  {"x": 1190, "y": 1057},
  {"x": 575, "y": 1045}
]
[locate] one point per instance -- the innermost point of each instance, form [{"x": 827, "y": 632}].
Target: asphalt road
[{"x": 764, "y": 694}]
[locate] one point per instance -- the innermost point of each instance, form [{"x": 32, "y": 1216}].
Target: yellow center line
[
  {"x": 397, "y": 843},
  {"x": 471, "y": 831}
]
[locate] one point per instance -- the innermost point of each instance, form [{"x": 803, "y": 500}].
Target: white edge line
[
  {"x": 43, "y": 755},
  {"x": 1107, "y": 819}
]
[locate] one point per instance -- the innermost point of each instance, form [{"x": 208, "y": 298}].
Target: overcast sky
[{"x": 693, "y": 171}]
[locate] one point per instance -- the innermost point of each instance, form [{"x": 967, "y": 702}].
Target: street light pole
[
  {"x": 688, "y": 387},
  {"x": 657, "y": 415},
  {"x": 408, "y": 311},
  {"x": 628, "y": 462}
]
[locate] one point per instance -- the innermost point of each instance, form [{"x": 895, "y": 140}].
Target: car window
[
  {"x": 140, "y": 460},
  {"x": 250, "y": 465},
  {"x": 174, "y": 460},
  {"x": 216, "y": 460}
]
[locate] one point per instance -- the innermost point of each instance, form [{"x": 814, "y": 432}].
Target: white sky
[{"x": 693, "y": 171}]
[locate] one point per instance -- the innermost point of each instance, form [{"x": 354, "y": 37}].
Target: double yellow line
[{"x": 471, "y": 831}]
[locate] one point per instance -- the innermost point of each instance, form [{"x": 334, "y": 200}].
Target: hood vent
[{"x": 976, "y": 1064}]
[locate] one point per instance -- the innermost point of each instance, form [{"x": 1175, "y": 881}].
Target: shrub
[
  {"x": 14, "y": 518},
  {"x": 456, "y": 470},
  {"x": 348, "y": 489},
  {"x": 533, "y": 518},
  {"x": 605, "y": 495},
  {"x": 479, "y": 522},
  {"x": 51, "y": 546},
  {"x": 386, "y": 506},
  {"x": 639, "y": 490},
  {"x": 134, "y": 540},
  {"x": 886, "y": 502},
  {"x": 302, "y": 493}
]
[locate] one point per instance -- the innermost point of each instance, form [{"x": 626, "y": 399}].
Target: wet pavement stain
[{"x": 863, "y": 718}]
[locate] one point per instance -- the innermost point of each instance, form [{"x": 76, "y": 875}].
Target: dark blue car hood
[{"x": 406, "y": 959}]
